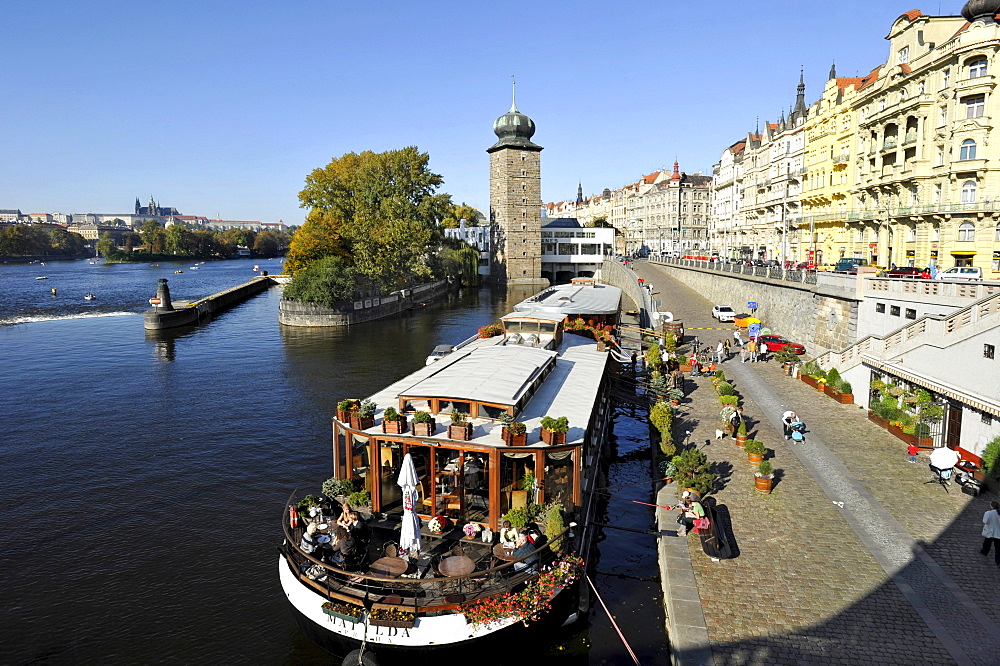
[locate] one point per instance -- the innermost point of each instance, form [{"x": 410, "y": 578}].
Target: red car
[
  {"x": 909, "y": 272},
  {"x": 775, "y": 343}
]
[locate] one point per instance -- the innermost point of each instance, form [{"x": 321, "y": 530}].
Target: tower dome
[
  {"x": 981, "y": 10},
  {"x": 514, "y": 129}
]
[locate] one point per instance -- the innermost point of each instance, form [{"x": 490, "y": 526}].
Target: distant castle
[{"x": 154, "y": 208}]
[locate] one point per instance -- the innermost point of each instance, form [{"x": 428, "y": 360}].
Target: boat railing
[
  {"x": 467, "y": 341},
  {"x": 428, "y": 592}
]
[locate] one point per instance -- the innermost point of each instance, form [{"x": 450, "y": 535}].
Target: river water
[{"x": 143, "y": 475}]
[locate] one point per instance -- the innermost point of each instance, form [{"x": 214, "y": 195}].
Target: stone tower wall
[{"x": 515, "y": 207}]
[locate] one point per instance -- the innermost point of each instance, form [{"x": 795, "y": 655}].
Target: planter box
[
  {"x": 402, "y": 624},
  {"x": 809, "y": 380},
  {"x": 359, "y": 423},
  {"x": 394, "y": 427},
  {"x": 345, "y": 618},
  {"x": 553, "y": 438},
  {"x": 878, "y": 420},
  {"x": 462, "y": 431},
  {"x": 344, "y": 416},
  {"x": 762, "y": 485},
  {"x": 842, "y": 398},
  {"x": 423, "y": 429},
  {"x": 513, "y": 440}
]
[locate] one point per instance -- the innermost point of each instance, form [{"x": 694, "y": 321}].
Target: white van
[{"x": 961, "y": 273}]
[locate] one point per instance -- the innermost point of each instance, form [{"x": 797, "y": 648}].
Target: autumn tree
[
  {"x": 381, "y": 210},
  {"x": 458, "y": 212},
  {"x": 153, "y": 236},
  {"x": 106, "y": 245}
]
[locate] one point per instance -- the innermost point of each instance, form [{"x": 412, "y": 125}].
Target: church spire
[
  {"x": 513, "y": 95},
  {"x": 799, "y": 112},
  {"x": 579, "y": 193},
  {"x": 833, "y": 71}
]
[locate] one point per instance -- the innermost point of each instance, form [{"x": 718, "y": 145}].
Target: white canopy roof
[{"x": 568, "y": 299}]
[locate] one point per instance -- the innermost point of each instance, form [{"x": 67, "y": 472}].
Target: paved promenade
[{"x": 852, "y": 558}]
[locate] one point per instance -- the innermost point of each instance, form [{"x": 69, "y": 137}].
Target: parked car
[
  {"x": 909, "y": 272},
  {"x": 776, "y": 343},
  {"x": 961, "y": 273},
  {"x": 723, "y": 313},
  {"x": 849, "y": 265},
  {"x": 825, "y": 267}
]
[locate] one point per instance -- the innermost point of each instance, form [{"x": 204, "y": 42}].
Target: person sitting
[
  {"x": 345, "y": 515},
  {"x": 310, "y": 541},
  {"x": 690, "y": 509},
  {"x": 508, "y": 534},
  {"x": 343, "y": 548},
  {"x": 524, "y": 548},
  {"x": 355, "y": 526}
]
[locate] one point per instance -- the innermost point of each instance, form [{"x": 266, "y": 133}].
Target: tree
[
  {"x": 106, "y": 246},
  {"x": 65, "y": 242},
  {"x": 266, "y": 244},
  {"x": 327, "y": 281},
  {"x": 456, "y": 213},
  {"x": 382, "y": 209},
  {"x": 179, "y": 240},
  {"x": 153, "y": 236}
]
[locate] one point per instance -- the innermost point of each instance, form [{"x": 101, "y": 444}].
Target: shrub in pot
[
  {"x": 393, "y": 421},
  {"x": 764, "y": 477},
  {"x": 423, "y": 424},
  {"x": 344, "y": 409},
  {"x": 514, "y": 433},
  {"x": 364, "y": 417},
  {"x": 554, "y": 430},
  {"x": 741, "y": 434},
  {"x": 460, "y": 427},
  {"x": 755, "y": 451}
]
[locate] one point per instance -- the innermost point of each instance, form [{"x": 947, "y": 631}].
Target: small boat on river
[
  {"x": 89, "y": 297},
  {"x": 42, "y": 277},
  {"x": 460, "y": 584},
  {"x": 178, "y": 271}
]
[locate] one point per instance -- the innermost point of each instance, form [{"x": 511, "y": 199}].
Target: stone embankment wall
[
  {"x": 294, "y": 313},
  {"x": 613, "y": 273},
  {"x": 202, "y": 309},
  {"x": 822, "y": 316}
]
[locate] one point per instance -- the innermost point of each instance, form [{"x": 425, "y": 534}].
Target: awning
[
  {"x": 955, "y": 393},
  {"x": 962, "y": 253}
]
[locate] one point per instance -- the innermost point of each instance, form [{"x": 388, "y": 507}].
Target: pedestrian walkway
[{"x": 852, "y": 558}]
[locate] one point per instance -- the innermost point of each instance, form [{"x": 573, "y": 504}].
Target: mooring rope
[{"x": 613, "y": 623}]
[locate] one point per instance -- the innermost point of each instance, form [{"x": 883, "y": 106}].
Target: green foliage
[
  {"x": 22, "y": 240},
  {"x": 516, "y": 428},
  {"x": 390, "y": 414},
  {"x": 991, "y": 457},
  {"x": 518, "y": 517},
  {"x": 887, "y": 408},
  {"x": 334, "y": 487},
  {"x": 755, "y": 446},
  {"x": 457, "y": 260},
  {"x": 845, "y": 387},
  {"x": 931, "y": 413},
  {"x": 653, "y": 357},
  {"x": 328, "y": 281},
  {"x": 346, "y": 405},
  {"x": 720, "y": 375},
  {"x": 423, "y": 417},
  {"x": 730, "y": 400},
  {"x": 661, "y": 416},
  {"x": 554, "y": 525},
  {"x": 812, "y": 369},
  {"x": 359, "y": 498},
  {"x": 657, "y": 382},
  {"x": 675, "y": 394},
  {"x": 670, "y": 343},
  {"x": 743, "y": 427},
  {"x": 765, "y": 469},
  {"x": 833, "y": 378},
  {"x": 560, "y": 424},
  {"x": 457, "y": 212},
  {"x": 694, "y": 470},
  {"x": 367, "y": 409},
  {"x": 786, "y": 355},
  {"x": 386, "y": 211},
  {"x": 528, "y": 482},
  {"x": 458, "y": 417},
  {"x": 306, "y": 502},
  {"x": 725, "y": 388},
  {"x": 668, "y": 469}
]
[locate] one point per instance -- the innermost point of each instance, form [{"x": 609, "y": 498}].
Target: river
[{"x": 143, "y": 475}]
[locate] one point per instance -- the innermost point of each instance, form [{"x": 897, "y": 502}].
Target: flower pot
[
  {"x": 513, "y": 440},
  {"x": 763, "y": 484},
  {"x": 402, "y": 624},
  {"x": 344, "y": 415},
  {"x": 755, "y": 458},
  {"x": 462, "y": 431},
  {"x": 346, "y": 618},
  {"x": 394, "y": 427},
  {"x": 553, "y": 438},
  {"x": 423, "y": 429},
  {"x": 741, "y": 440},
  {"x": 362, "y": 423},
  {"x": 786, "y": 368}
]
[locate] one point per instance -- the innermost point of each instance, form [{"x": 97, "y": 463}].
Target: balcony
[
  {"x": 975, "y": 84},
  {"x": 911, "y": 137},
  {"x": 889, "y": 144},
  {"x": 842, "y": 158}
]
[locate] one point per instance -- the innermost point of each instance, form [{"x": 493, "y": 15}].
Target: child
[{"x": 911, "y": 451}]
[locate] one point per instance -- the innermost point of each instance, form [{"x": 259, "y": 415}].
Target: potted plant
[
  {"x": 764, "y": 477},
  {"x": 344, "y": 409},
  {"x": 364, "y": 416},
  {"x": 472, "y": 530},
  {"x": 668, "y": 471},
  {"x": 393, "y": 422},
  {"x": 346, "y": 612},
  {"x": 514, "y": 433},
  {"x": 439, "y": 524},
  {"x": 423, "y": 424},
  {"x": 460, "y": 428},
  {"x": 787, "y": 358},
  {"x": 676, "y": 395},
  {"x": 391, "y": 617},
  {"x": 755, "y": 451},
  {"x": 554, "y": 430},
  {"x": 741, "y": 434}
]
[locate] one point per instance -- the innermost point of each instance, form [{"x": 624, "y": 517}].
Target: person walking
[
  {"x": 743, "y": 354},
  {"x": 695, "y": 344},
  {"x": 719, "y": 351},
  {"x": 991, "y": 532},
  {"x": 911, "y": 452},
  {"x": 752, "y": 348},
  {"x": 738, "y": 338},
  {"x": 726, "y": 346},
  {"x": 735, "y": 420},
  {"x": 694, "y": 365}
]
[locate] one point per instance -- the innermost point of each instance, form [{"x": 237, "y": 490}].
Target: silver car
[{"x": 723, "y": 313}]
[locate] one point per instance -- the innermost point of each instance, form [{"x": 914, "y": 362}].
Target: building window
[
  {"x": 911, "y": 314},
  {"x": 911, "y": 234},
  {"x": 922, "y": 87},
  {"x": 975, "y": 106},
  {"x": 894, "y": 310},
  {"x": 940, "y": 155},
  {"x": 977, "y": 68},
  {"x": 903, "y": 55},
  {"x": 988, "y": 351},
  {"x": 968, "y": 150},
  {"x": 969, "y": 192},
  {"x": 986, "y": 419},
  {"x": 880, "y": 307},
  {"x": 996, "y": 235},
  {"x": 967, "y": 231},
  {"x": 942, "y": 115},
  {"x": 881, "y": 104},
  {"x": 946, "y": 78}
]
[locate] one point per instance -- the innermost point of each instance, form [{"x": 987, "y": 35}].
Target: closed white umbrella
[
  {"x": 944, "y": 458},
  {"x": 409, "y": 538}
]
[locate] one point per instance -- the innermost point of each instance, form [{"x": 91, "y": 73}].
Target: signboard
[
  {"x": 753, "y": 330},
  {"x": 752, "y": 305},
  {"x": 154, "y": 301},
  {"x": 811, "y": 263}
]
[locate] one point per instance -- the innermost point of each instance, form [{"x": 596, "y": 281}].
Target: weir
[{"x": 166, "y": 314}]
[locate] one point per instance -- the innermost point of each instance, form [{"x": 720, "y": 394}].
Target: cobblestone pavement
[{"x": 812, "y": 582}]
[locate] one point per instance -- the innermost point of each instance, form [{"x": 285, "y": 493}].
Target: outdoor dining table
[
  {"x": 456, "y": 565},
  {"x": 504, "y": 553},
  {"x": 390, "y": 567}
]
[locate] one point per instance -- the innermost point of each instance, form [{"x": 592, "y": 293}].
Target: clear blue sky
[{"x": 223, "y": 108}]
